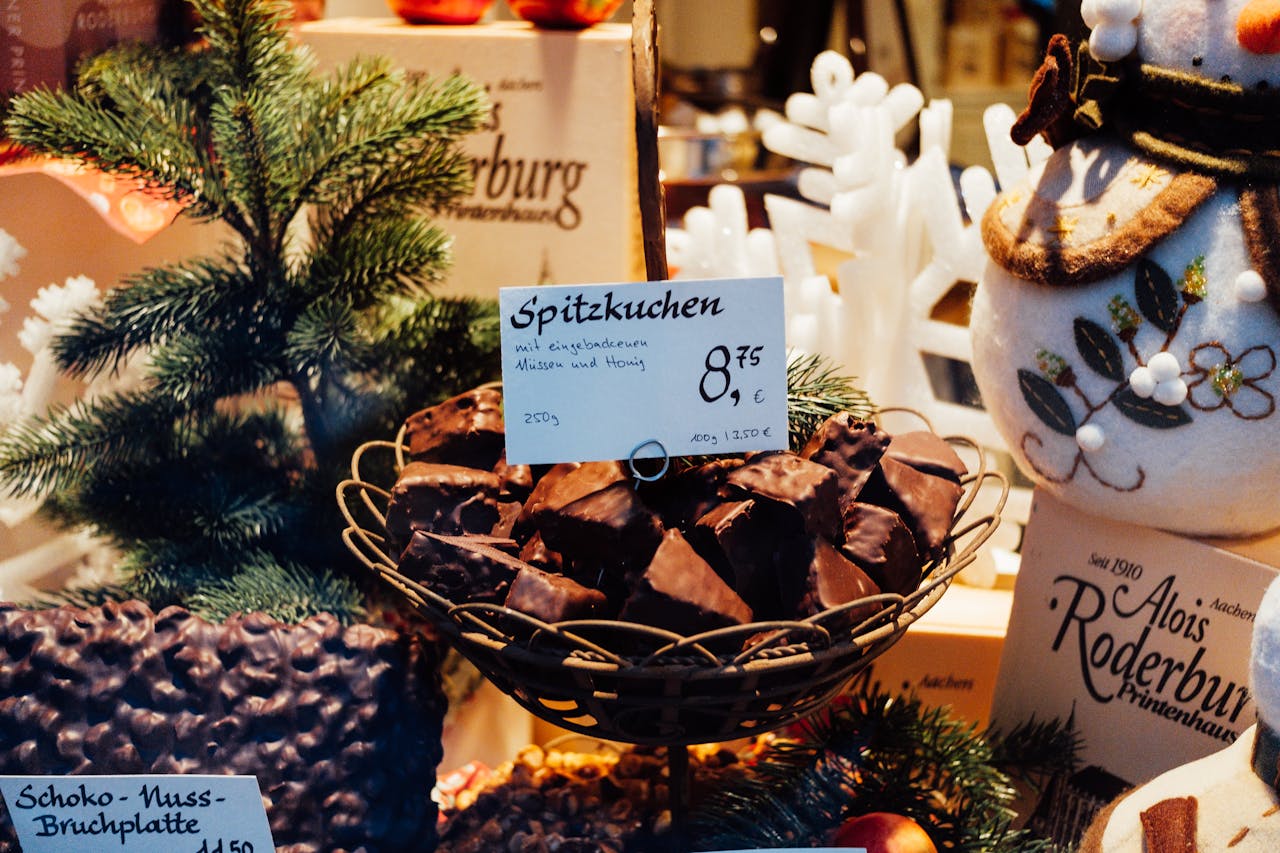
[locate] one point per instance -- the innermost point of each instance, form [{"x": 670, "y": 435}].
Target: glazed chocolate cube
[
  {"x": 553, "y": 598},
  {"x": 849, "y": 447},
  {"x": 926, "y": 503},
  {"x": 536, "y": 553},
  {"x": 827, "y": 579},
  {"x": 680, "y": 592},
  {"x": 461, "y": 568},
  {"x": 928, "y": 452},
  {"x": 784, "y": 478},
  {"x": 680, "y": 500},
  {"x": 879, "y": 543},
  {"x": 441, "y": 498},
  {"x": 739, "y": 540},
  {"x": 463, "y": 430},
  {"x": 517, "y": 480},
  {"x": 609, "y": 525},
  {"x": 542, "y": 487}
]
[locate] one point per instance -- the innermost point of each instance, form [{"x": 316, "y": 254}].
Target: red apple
[
  {"x": 440, "y": 11},
  {"x": 564, "y": 14},
  {"x": 883, "y": 832}
]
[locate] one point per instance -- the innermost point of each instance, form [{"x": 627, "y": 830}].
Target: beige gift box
[{"x": 555, "y": 198}]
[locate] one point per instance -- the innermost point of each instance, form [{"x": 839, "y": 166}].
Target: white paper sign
[
  {"x": 599, "y": 372},
  {"x": 1141, "y": 636},
  {"x": 137, "y": 814}
]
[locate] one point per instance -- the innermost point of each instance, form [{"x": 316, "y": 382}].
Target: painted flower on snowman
[{"x": 1127, "y": 326}]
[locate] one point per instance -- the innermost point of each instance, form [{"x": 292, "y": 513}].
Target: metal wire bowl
[{"x": 632, "y": 683}]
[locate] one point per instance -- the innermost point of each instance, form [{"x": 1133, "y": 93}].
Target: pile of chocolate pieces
[{"x": 720, "y": 543}]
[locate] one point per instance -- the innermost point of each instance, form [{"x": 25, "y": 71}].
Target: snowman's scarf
[
  {"x": 1206, "y": 126},
  {"x": 1215, "y": 128}
]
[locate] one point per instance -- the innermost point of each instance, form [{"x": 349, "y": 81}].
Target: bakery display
[
  {"x": 777, "y": 535},
  {"x": 729, "y": 596}
]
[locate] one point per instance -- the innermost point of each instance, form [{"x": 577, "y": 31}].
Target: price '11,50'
[{"x": 717, "y": 379}]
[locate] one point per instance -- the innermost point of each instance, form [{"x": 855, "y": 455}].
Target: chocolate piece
[
  {"x": 538, "y": 497},
  {"x": 508, "y": 513},
  {"x": 460, "y": 568},
  {"x": 536, "y": 553},
  {"x": 926, "y": 503},
  {"x": 441, "y": 498},
  {"x": 463, "y": 430},
  {"x": 553, "y": 598},
  {"x": 680, "y": 592},
  {"x": 827, "y": 580},
  {"x": 879, "y": 543},
  {"x": 681, "y": 499},
  {"x": 739, "y": 540},
  {"x": 517, "y": 480},
  {"x": 811, "y": 489},
  {"x": 849, "y": 447},
  {"x": 609, "y": 525},
  {"x": 928, "y": 452}
]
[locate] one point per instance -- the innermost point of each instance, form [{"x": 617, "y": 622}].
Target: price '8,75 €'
[{"x": 717, "y": 379}]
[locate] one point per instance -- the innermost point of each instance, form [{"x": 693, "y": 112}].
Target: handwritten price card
[
  {"x": 611, "y": 371},
  {"x": 137, "y": 814}
]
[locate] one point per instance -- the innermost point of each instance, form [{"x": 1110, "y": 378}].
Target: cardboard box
[
  {"x": 1142, "y": 636},
  {"x": 42, "y": 40},
  {"x": 555, "y": 198},
  {"x": 951, "y": 656}
]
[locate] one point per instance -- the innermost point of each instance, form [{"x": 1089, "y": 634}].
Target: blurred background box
[{"x": 555, "y": 197}]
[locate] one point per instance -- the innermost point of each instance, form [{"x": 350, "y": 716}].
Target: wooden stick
[{"x": 644, "y": 76}]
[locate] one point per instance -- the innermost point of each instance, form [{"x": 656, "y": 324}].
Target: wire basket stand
[{"x": 635, "y": 684}]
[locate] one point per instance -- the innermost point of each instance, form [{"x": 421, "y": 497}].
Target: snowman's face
[{"x": 1234, "y": 41}]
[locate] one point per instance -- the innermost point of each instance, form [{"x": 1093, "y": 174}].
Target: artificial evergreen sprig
[
  {"x": 815, "y": 392},
  {"x": 268, "y": 361},
  {"x": 874, "y": 751}
]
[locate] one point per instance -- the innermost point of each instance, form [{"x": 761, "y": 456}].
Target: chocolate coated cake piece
[
  {"x": 517, "y": 480},
  {"x": 475, "y": 571},
  {"x": 609, "y": 525},
  {"x": 739, "y": 540},
  {"x": 879, "y": 543},
  {"x": 680, "y": 592},
  {"x": 463, "y": 430},
  {"x": 784, "y": 478},
  {"x": 553, "y": 598},
  {"x": 826, "y": 580},
  {"x": 542, "y": 487},
  {"x": 926, "y": 503},
  {"x": 441, "y": 498},
  {"x": 536, "y": 553},
  {"x": 849, "y": 447},
  {"x": 681, "y": 499},
  {"x": 928, "y": 452}
]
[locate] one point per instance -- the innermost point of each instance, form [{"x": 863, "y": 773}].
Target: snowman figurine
[
  {"x": 1125, "y": 331},
  {"x": 1227, "y": 802}
]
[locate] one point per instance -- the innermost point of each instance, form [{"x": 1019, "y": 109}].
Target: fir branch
[
  {"x": 389, "y": 133},
  {"x": 875, "y": 753},
  {"x": 378, "y": 257},
  {"x": 815, "y": 392},
  {"x": 327, "y": 341},
  {"x": 285, "y": 591},
  {"x": 248, "y": 46},
  {"x": 60, "y": 449},
  {"x": 433, "y": 180},
  {"x": 195, "y": 371},
  {"x": 198, "y": 296}
]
